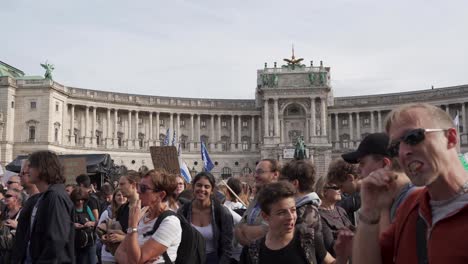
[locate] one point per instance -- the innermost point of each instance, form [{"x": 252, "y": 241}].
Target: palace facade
[{"x": 291, "y": 101}]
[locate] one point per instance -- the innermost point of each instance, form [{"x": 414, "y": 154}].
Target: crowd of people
[{"x": 400, "y": 197}]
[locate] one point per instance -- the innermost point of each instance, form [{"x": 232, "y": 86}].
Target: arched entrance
[{"x": 294, "y": 123}]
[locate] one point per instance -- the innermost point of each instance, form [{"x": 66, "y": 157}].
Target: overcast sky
[{"x": 213, "y": 48}]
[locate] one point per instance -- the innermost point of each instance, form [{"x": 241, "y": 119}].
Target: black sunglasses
[
  {"x": 143, "y": 188},
  {"x": 412, "y": 137},
  {"x": 11, "y": 182},
  {"x": 8, "y": 195},
  {"x": 336, "y": 188}
]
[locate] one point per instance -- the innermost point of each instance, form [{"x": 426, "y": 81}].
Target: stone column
[
  {"x": 72, "y": 125},
  {"x": 313, "y": 126},
  {"x": 192, "y": 133},
  {"x": 379, "y": 119},
  {"x": 129, "y": 138},
  {"x": 372, "y": 123},
  {"x": 177, "y": 129},
  {"x": 86, "y": 134},
  {"x": 259, "y": 129},
  {"x": 94, "y": 126},
  {"x": 252, "y": 133},
  {"x": 275, "y": 111},
  {"x": 219, "y": 128},
  {"x": 324, "y": 117},
  {"x": 137, "y": 130},
  {"x": 198, "y": 139},
  {"x": 463, "y": 114},
  {"x": 158, "y": 143},
  {"x": 109, "y": 129},
  {"x": 239, "y": 132},
  {"x": 447, "y": 109},
  {"x": 171, "y": 127},
  {"x": 212, "y": 133},
  {"x": 116, "y": 120},
  {"x": 306, "y": 133},
  {"x": 337, "y": 132},
  {"x": 232, "y": 134},
  {"x": 358, "y": 129},
  {"x": 265, "y": 108},
  {"x": 351, "y": 136},
  {"x": 151, "y": 138}
]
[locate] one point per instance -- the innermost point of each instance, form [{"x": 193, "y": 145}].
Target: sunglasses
[
  {"x": 8, "y": 196},
  {"x": 11, "y": 182},
  {"x": 336, "y": 188},
  {"x": 144, "y": 188},
  {"x": 412, "y": 138}
]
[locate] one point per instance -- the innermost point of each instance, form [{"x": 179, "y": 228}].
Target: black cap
[{"x": 376, "y": 143}]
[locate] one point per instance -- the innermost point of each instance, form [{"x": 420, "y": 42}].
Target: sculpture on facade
[
  {"x": 293, "y": 62},
  {"x": 312, "y": 78},
  {"x": 49, "y": 68},
  {"x": 323, "y": 78},
  {"x": 269, "y": 80},
  {"x": 300, "y": 150}
]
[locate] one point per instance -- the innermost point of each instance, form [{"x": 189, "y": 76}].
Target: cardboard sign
[
  {"x": 73, "y": 167},
  {"x": 165, "y": 158}
]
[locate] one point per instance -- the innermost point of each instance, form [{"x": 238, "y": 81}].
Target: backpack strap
[
  {"x": 161, "y": 217},
  {"x": 90, "y": 214},
  {"x": 421, "y": 242}
]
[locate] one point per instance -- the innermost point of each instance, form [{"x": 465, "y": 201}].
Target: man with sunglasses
[
  {"x": 430, "y": 226},
  {"x": 371, "y": 155}
]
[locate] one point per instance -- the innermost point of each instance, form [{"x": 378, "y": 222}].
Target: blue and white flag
[
  {"x": 207, "y": 163},
  {"x": 166, "y": 139},
  {"x": 184, "y": 171},
  {"x": 456, "y": 120},
  {"x": 174, "y": 138}
]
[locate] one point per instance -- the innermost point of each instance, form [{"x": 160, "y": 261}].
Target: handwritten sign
[
  {"x": 165, "y": 158},
  {"x": 73, "y": 167}
]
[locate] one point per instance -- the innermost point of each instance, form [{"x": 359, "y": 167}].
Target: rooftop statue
[
  {"x": 293, "y": 62},
  {"x": 300, "y": 151},
  {"x": 49, "y": 68}
]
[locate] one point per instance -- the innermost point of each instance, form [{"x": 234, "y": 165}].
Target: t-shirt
[
  {"x": 441, "y": 209},
  {"x": 292, "y": 253},
  {"x": 105, "y": 255},
  {"x": 169, "y": 234},
  {"x": 93, "y": 202}
]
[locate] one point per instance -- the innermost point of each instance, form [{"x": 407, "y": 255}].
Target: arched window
[
  {"x": 32, "y": 133},
  {"x": 245, "y": 143},
  {"x": 98, "y": 137},
  {"x": 56, "y": 135},
  {"x": 226, "y": 172},
  {"x": 119, "y": 139},
  {"x": 246, "y": 171},
  {"x": 183, "y": 141},
  {"x": 345, "y": 141},
  {"x": 141, "y": 138},
  {"x": 225, "y": 143}
]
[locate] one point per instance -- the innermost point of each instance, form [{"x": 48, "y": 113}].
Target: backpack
[
  {"x": 84, "y": 236},
  {"x": 192, "y": 244}
]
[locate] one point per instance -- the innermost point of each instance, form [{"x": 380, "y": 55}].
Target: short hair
[
  {"x": 105, "y": 190},
  {"x": 79, "y": 193},
  {"x": 395, "y": 164},
  {"x": 274, "y": 164},
  {"x": 439, "y": 116},
  {"x": 301, "y": 170},
  {"x": 133, "y": 176},
  {"x": 163, "y": 181},
  {"x": 83, "y": 180},
  {"x": 236, "y": 186},
  {"x": 339, "y": 170},
  {"x": 48, "y": 165},
  {"x": 273, "y": 193}
]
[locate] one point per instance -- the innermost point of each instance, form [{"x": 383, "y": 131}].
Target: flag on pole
[
  {"x": 166, "y": 139},
  {"x": 456, "y": 120},
  {"x": 174, "y": 138},
  {"x": 207, "y": 163},
  {"x": 184, "y": 171}
]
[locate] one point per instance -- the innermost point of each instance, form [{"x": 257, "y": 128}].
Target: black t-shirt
[
  {"x": 93, "y": 202},
  {"x": 292, "y": 253},
  {"x": 122, "y": 216}
]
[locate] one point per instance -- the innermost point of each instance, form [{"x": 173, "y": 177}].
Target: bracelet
[{"x": 367, "y": 220}]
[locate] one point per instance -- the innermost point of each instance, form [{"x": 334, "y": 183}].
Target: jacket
[
  {"x": 52, "y": 237},
  {"x": 446, "y": 242},
  {"x": 222, "y": 223}
]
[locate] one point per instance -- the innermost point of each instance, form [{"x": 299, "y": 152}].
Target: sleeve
[
  {"x": 59, "y": 229},
  {"x": 169, "y": 233},
  {"x": 320, "y": 250},
  {"x": 327, "y": 236},
  {"x": 227, "y": 227},
  {"x": 386, "y": 240},
  {"x": 93, "y": 203},
  {"x": 104, "y": 217}
]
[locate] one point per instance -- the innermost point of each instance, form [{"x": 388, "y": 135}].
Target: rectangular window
[
  {"x": 366, "y": 121},
  {"x": 182, "y": 123},
  {"x": 244, "y": 123},
  {"x": 56, "y": 107},
  {"x": 33, "y": 105},
  {"x": 224, "y": 124},
  {"x": 12, "y": 104},
  {"x": 245, "y": 146},
  {"x": 161, "y": 122},
  {"x": 203, "y": 123},
  {"x": 344, "y": 122}
]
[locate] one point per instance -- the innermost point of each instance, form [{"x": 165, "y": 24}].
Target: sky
[{"x": 213, "y": 48}]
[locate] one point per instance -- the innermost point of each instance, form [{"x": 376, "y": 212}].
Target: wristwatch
[{"x": 132, "y": 230}]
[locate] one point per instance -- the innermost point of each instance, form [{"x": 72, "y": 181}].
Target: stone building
[{"x": 291, "y": 101}]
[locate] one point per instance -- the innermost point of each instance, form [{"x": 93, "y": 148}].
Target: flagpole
[{"x": 231, "y": 191}]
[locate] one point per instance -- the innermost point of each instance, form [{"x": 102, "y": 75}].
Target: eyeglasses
[
  {"x": 412, "y": 137},
  {"x": 143, "y": 188},
  {"x": 336, "y": 188},
  {"x": 8, "y": 195},
  {"x": 11, "y": 182},
  {"x": 258, "y": 172}
]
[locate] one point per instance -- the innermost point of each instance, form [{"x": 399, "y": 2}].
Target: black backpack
[{"x": 192, "y": 244}]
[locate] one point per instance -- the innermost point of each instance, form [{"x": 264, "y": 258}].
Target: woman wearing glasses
[
  {"x": 141, "y": 245},
  {"x": 334, "y": 218},
  {"x": 9, "y": 222},
  {"x": 211, "y": 219}
]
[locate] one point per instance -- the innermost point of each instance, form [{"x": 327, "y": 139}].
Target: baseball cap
[{"x": 376, "y": 143}]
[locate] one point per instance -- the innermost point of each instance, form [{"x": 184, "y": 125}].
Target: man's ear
[
  {"x": 295, "y": 183},
  {"x": 276, "y": 175},
  {"x": 387, "y": 163},
  {"x": 351, "y": 177},
  {"x": 452, "y": 137},
  {"x": 265, "y": 216}
]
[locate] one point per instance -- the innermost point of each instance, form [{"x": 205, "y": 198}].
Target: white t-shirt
[
  {"x": 168, "y": 234},
  {"x": 105, "y": 255},
  {"x": 234, "y": 206}
]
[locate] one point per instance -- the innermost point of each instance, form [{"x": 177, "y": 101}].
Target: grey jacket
[{"x": 221, "y": 220}]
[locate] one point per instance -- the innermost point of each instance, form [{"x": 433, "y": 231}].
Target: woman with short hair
[
  {"x": 139, "y": 245},
  {"x": 85, "y": 238}
]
